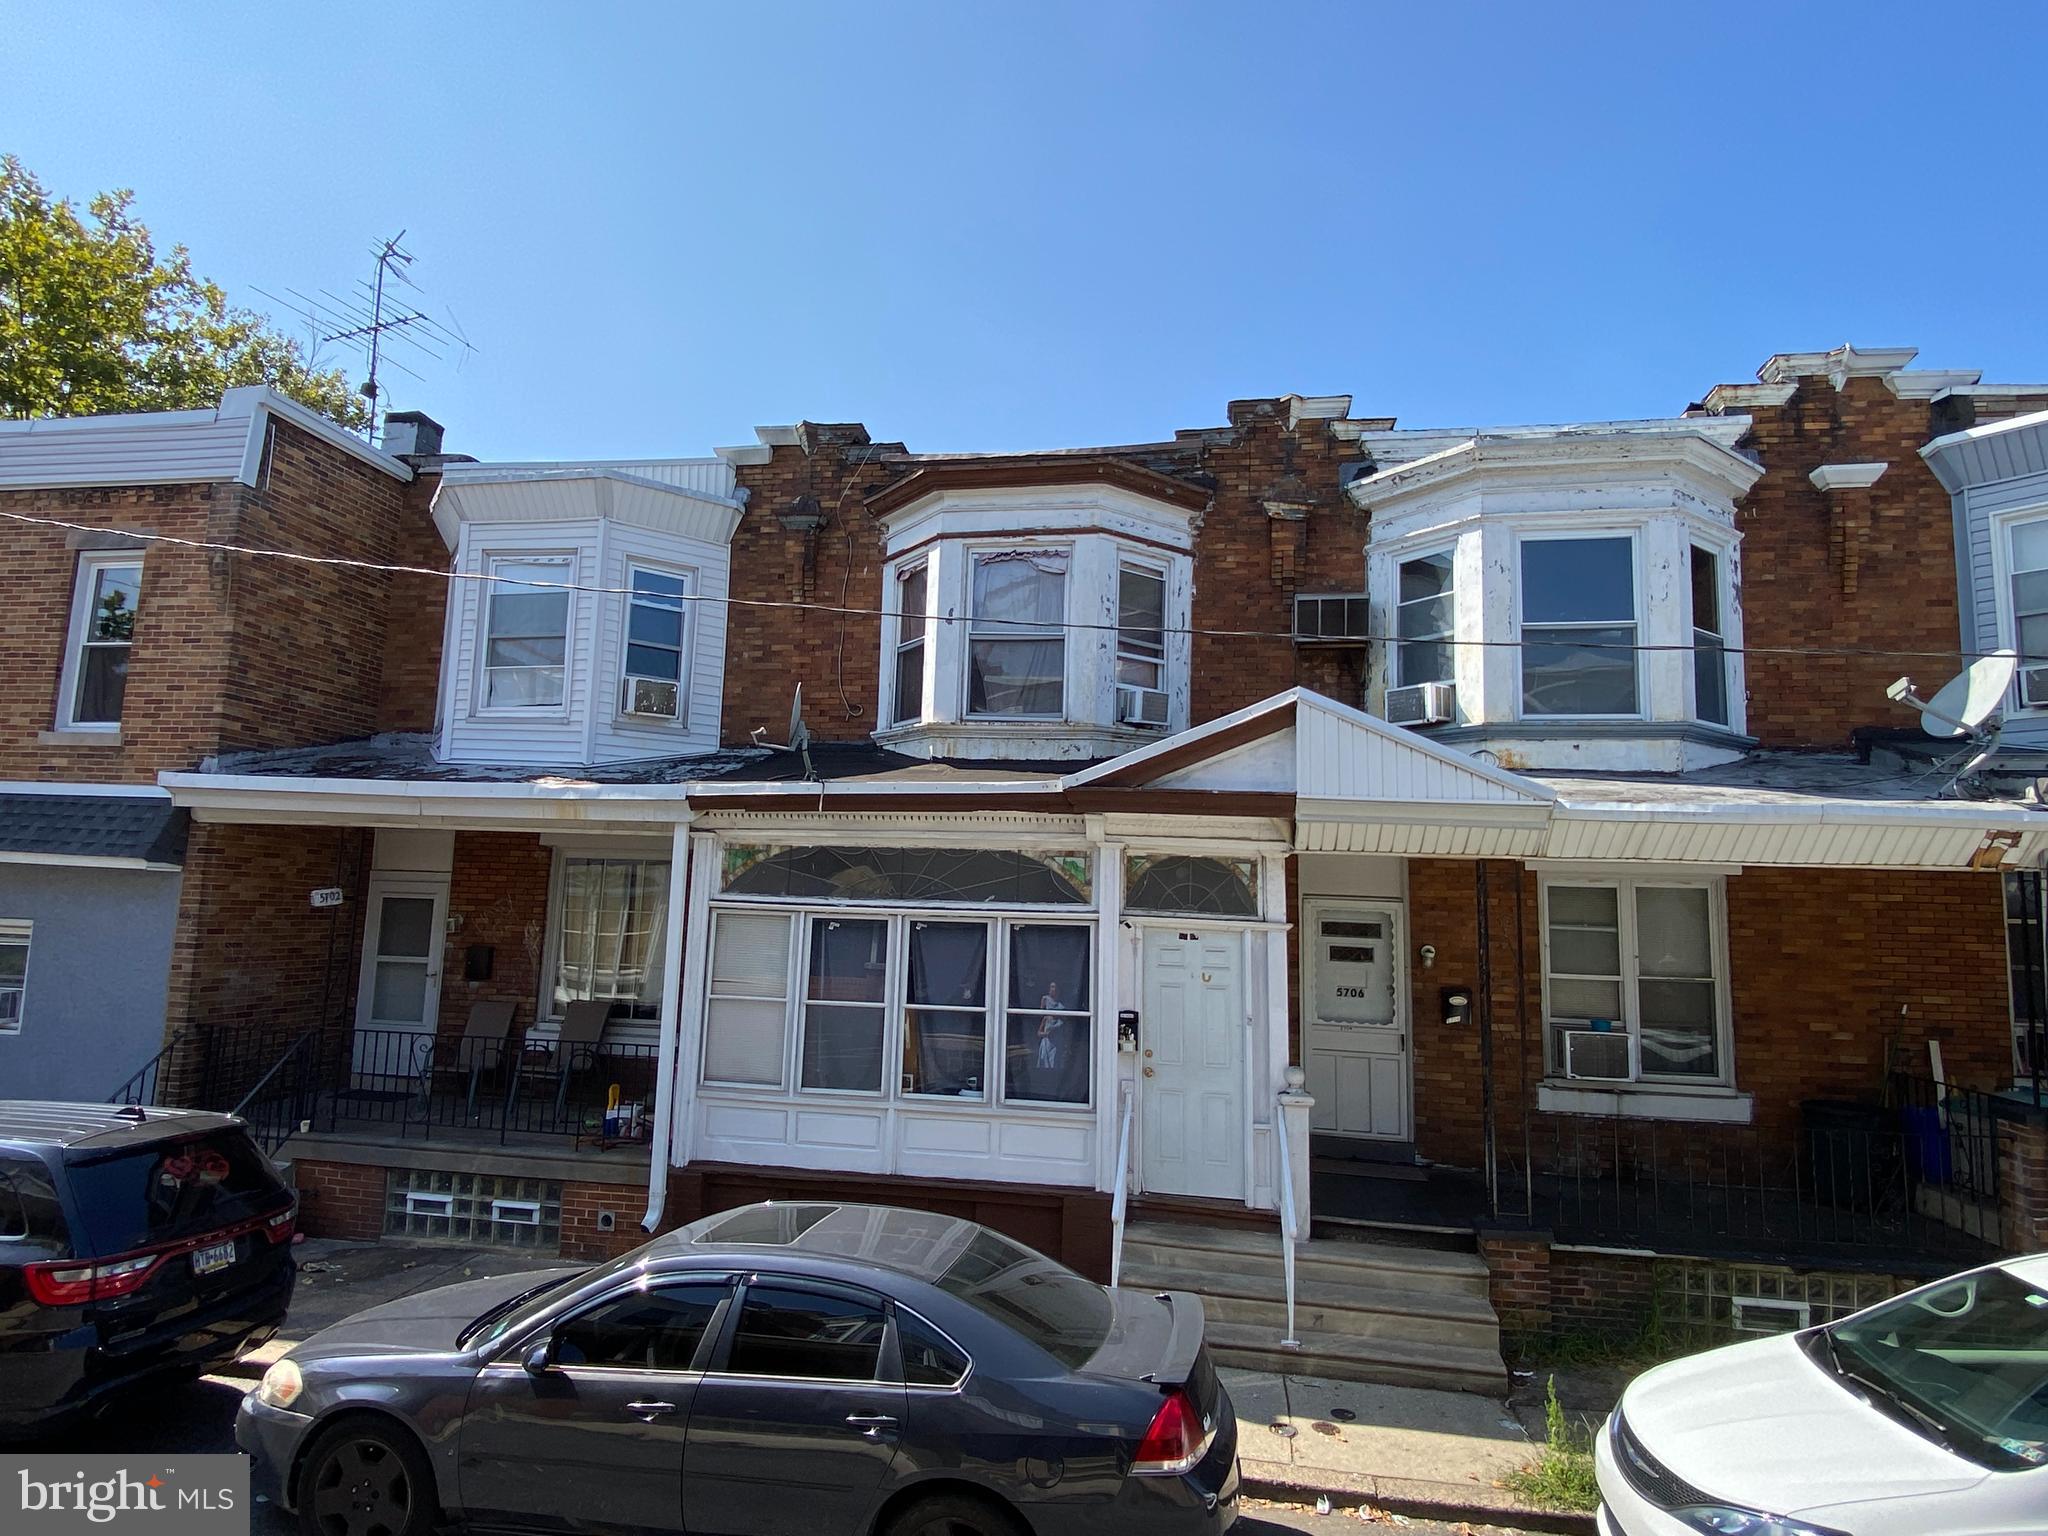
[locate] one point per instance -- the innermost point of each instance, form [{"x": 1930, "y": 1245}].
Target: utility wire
[{"x": 1029, "y": 627}]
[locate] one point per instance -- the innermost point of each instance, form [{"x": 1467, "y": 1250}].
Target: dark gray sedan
[{"x": 781, "y": 1370}]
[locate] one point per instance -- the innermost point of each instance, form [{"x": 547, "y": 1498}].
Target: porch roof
[
  {"x": 1347, "y": 781},
  {"x": 119, "y": 828}
]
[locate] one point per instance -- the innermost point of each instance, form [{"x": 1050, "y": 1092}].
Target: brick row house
[{"x": 1503, "y": 835}]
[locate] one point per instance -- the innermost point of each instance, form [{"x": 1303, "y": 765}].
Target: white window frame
[
  {"x": 2003, "y": 527},
  {"x": 1159, "y": 571},
  {"x": 1723, "y": 595},
  {"x": 1625, "y": 888},
  {"x": 492, "y": 559},
  {"x": 84, "y": 581},
  {"x": 16, "y": 931},
  {"x": 895, "y": 1004},
  {"x": 1007, "y": 631},
  {"x": 1632, "y": 535},
  {"x": 623, "y": 698},
  {"x": 1401, "y": 643},
  {"x": 545, "y": 1011},
  {"x": 900, "y": 577}
]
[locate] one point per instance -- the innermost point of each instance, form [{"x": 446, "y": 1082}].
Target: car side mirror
[{"x": 540, "y": 1358}]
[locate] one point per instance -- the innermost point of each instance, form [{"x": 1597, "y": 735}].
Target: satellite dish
[
  {"x": 799, "y": 734},
  {"x": 1966, "y": 701}
]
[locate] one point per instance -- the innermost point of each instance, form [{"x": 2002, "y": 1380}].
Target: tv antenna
[
  {"x": 1962, "y": 710},
  {"x": 374, "y": 312},
  {"x": 799, "y": 734}
]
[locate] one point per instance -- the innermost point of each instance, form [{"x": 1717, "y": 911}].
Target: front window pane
[
  {"x": 910, "y": 626},
  {"x": 1016, "y": 662},
  {"x": 1590, "y": 670},
  {"x": 1578, "y": 581},
  {"x": 614, "y": 913},
  {"x": 945, "y": 1030},
  {"x": 1141, "y": 627},
  {"x": 102, "y": 683},
  {"x": 1675, "y": 987},
  {"x": 113, "y": 596},
  {"x": 843, "y": 1020},
  {"x": 1046, "y": 1047},
  {"x": 526, "y": 634},
  {"x": 748, "y": 1013},
  {"x": 117, "y": 595},
  {"x": 1426, "y": 618},
  {"x": 1709, "y": 658}
]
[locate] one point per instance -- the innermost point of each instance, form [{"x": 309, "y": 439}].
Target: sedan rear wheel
[
  {"x": 363, "y": 1480},
  {"x": 950, "y": 1514}
]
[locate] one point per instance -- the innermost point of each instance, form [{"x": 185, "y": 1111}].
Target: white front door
[
  {"x": 400, "y": 995},
  {"x": 1191, "y": 1045},
  {"x": 1356, "y": 1030}
]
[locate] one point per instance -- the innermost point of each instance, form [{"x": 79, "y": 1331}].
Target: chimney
[{"x": 412, "y": 435}]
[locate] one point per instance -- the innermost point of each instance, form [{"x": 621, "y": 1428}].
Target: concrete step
[
  {"x": 1195, "y": 1252},
  {"x": 1341, "y": 1357},
  {"x": 1357, "y": 1310}
]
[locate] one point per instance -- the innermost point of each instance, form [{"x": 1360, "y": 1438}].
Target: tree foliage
[{"x": 92, "y": 320}]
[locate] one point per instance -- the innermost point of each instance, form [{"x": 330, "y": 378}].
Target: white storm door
[
  {"x": 1191, "y": 1045},
  {"x": 1355, "y": 1029},
  {"x": 399, "y": 999}
]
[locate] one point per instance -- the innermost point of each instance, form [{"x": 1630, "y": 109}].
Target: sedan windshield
[{"x": 1964, "y": 1363}]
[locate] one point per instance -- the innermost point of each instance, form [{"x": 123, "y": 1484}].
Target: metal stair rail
[
  {"x": 284, "y": 1095},
  {"x": 1120, "y": 1201},
  {"x": 141, "y": 1087},
  {"x": 1290, "y": 1225}
]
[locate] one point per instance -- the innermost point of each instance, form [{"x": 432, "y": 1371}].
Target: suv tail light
[
  {"x": 278, "y": 1228},
  {"x": 66, "y": 1284},
  {"x": 1177, "y": 1440}
]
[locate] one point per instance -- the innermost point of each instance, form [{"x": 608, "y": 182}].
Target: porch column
[
  {"x": 1275, "y": 1018},
  {"x": 1110, "y": 992},
  {"x": 670, "y": 1051}
]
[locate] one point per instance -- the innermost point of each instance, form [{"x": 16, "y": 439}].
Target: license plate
[{"x": 219, "y": 1256}]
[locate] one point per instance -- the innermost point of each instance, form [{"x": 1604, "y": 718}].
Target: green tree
[{"x": 93, "y": 321}]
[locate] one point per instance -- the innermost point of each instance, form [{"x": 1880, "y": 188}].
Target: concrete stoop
[{"x": 1409, "y": 1317}]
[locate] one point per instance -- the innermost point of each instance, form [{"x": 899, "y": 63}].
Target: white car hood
[{"x": 1759, "y": 1424}]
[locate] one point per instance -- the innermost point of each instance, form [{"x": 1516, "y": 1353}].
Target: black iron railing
[
  {"x": 415, "y": 1084},
  {"x": 1917, "y": 1175},
  {"x": 147, "y": 1081}
]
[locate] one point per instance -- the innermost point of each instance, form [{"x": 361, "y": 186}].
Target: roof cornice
[
  {"x": 1689, "y": 450},
  {"x": 933, "y": 478}
]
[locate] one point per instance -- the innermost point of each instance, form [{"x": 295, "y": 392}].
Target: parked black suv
[{"x": 132, "y": 1242}]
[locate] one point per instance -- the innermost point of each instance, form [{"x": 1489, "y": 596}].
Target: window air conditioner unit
[
  {"x": 1599, "y": 1055},
  {"x": 1423, "y": 704},
  {"x": 1140, "y": 706},
  {"x": 1332, "y": 618}
]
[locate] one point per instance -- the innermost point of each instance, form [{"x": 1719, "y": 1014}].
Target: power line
[{"x": 1031, "y": 627}]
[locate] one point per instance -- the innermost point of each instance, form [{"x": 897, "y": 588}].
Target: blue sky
[{"x": 977, "y": 227}]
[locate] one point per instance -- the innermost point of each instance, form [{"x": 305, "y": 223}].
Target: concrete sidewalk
[{"x": 1400, "y": 1450}]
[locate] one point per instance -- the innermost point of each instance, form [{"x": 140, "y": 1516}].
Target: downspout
[{"x": 671, "y": 1006}]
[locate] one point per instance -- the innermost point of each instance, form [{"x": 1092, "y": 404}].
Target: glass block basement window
[{"x": 432, "y": 1205}]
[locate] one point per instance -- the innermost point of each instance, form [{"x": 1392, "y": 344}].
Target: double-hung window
[
  {"x": 1709, "y": 639},
  {"x": 103, "y": 609},
  {"x": 610, "y": 919},
  {"x": 1578, "y": 602},
  {"x": 902, "y": 1005},
  {"x": 1641, "y": 959},
  {"x": 912, "y": 586},
  {"x": 657, "y": 621},
  {"x": 14, "y": 937},
  {"x": 1425, "y": 620},
  {"x": 2029, "y": 586},
  {"x": 1017, "y": 642},
  {"x": 526, "y": 632},
  {"x": 1140, "y": 627}
]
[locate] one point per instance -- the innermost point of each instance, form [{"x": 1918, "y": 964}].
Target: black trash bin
[{"x": 1852, "y": 1152}]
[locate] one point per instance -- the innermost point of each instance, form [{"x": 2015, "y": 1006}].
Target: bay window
[
  {"x": 656, "y": 623},
  {"x": 1016, "y": 645},
  {"x": 2028, "y": 588},
  {"x": 526, "y": 632},
  {"x": 1425, "y": 620},
  {"x": 1578, "y": 602},
  {"x": 1709, "y": 642},
  {"x": 1640, "y": 960},
  {"x": 610, "y": 916},
  {"x": 103, "y": 609},
  {"x": 901, "y": 1006},
  {"x": 912, "y": 588}
]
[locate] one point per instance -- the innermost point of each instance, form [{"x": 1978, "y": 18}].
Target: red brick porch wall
[
  {"x": 500, "y": 891},
  {"x": 1821, "y": 964}
]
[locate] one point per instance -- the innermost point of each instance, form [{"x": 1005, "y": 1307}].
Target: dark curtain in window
[
  {"x": 948, "y": 977},
  {"x": 1046, "y": 1044}
]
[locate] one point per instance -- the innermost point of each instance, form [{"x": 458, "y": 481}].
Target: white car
[{"x": 1926, "y": 1415}]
